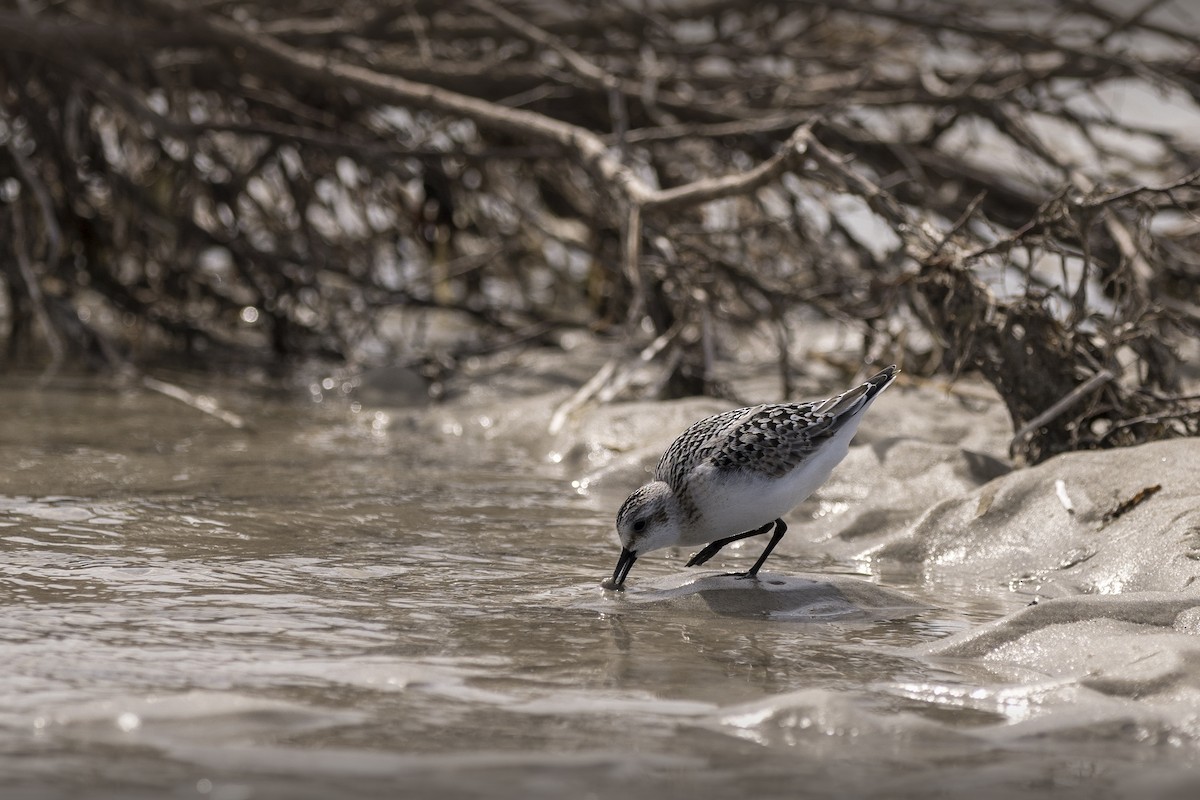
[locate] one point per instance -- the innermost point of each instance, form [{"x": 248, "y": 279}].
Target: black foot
[{"x": 741, "y": 576}]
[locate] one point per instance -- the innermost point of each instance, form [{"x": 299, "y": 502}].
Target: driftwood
[{"x": 228, "y": 178}]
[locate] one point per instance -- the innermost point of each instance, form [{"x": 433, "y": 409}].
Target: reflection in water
[{"x": 338, "y": 604}]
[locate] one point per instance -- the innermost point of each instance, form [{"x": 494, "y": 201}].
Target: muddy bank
[
  {"x": 1090, "y": 559},
  {"x": 358, "y": 593}
]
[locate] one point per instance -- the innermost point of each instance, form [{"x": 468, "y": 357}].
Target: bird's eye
[{"x": 639, "y": 526}]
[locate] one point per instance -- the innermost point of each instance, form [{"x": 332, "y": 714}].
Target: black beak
[{"x": 624, "y": 564}]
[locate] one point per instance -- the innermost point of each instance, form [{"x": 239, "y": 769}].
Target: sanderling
[{"x": 740, "y": 471}]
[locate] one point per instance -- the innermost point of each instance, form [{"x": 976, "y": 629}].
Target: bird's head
[{"x": 649, "y": 519}]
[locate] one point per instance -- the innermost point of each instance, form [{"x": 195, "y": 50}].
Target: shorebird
[{"x": 741, "y": 470}]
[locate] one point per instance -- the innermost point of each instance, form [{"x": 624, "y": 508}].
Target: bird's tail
[{"x": 860, "y": 396}]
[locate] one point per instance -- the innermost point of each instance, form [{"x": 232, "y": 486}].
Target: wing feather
[{"x": 770, "y": 440}]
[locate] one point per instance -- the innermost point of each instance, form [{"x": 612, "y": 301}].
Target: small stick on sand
[
  {"x": 1142, "y": 496},
  {"x": 1060, "y": 488},
  {"x": 609, "y": 381},
  {"x": 1071, "y": 398},
  {"x": 200, "y": 402}
]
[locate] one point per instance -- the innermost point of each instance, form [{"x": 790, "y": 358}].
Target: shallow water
[{"x": 348, "y": 602}]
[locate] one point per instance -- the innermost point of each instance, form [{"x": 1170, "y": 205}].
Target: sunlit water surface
[{"x": 344, "y": 604}]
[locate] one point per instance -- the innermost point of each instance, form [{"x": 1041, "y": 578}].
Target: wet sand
[{"x": 365, "y": 600}]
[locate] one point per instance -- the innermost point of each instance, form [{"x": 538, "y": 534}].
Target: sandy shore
[{"x": 1090, "y": 558}]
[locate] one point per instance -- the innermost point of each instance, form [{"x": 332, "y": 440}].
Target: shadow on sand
[{"x": 801, "y": 598}]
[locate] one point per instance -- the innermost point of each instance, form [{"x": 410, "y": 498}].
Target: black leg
[
  {"x": 712, "y": 548},
  {"x": 780, "y": 530}
]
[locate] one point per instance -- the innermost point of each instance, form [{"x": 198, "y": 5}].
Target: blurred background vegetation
[{"x": 1008, "y": 188}]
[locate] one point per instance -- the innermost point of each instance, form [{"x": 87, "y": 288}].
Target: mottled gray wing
[
  {"x": 770, "y": 440},
  {"x": 775, "y": 439},
  {"x": 697, "y": 444}
]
